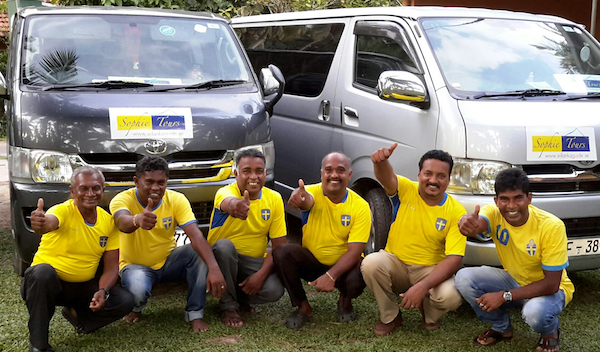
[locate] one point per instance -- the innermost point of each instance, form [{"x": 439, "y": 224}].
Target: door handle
[
  {"x": 324, "y": 111},
  {"x": 350, "y": 116},
  {"x": 350, "y": 112}
]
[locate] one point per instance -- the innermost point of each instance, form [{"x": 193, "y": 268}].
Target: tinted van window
[{"x": 303, "y": 53}]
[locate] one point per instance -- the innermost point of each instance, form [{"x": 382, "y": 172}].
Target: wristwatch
[
  {"x": 106, "y": 294},
  {"x": 507, "y": 296}
]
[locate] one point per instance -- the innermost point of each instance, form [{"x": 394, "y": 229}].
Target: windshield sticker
[
  {"x": 213, "y": 26},
  {"x": 561, "y": 143},
  {"x": 152, "y": 80},
  {"x": 592, "y": 82},
  {"x": 143, "y": 123},
  {"x": 200, "y": 28},
  {"x": 571, "y": 83},
  {"x": 167, "y": 30}
]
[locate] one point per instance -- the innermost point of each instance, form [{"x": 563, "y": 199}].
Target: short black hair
[
  {"x": 250, "y": 152},
  {"x": 438, "y": 155},
  {"x": 151, "y": 163},
  {"x": 511, "y": 180}
]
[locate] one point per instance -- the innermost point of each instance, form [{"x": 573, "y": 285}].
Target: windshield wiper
[
  {"x": 588, "y": 96},
  {"x": 99, "y": 85},
  {"x": 202, "y": 85},
  {"x": 521, "y": 93}
]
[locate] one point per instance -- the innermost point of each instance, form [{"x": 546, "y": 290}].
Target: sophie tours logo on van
[
  {"x": 135, "y": 123},
  {"x": 561, "y": 143}
]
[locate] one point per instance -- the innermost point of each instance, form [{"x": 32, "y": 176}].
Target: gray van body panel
[{"x": 490, "y": 130}]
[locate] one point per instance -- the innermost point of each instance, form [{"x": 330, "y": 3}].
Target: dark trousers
[
  {"x": 294, "y": 262},
  {"x": 42, "y": 291}
]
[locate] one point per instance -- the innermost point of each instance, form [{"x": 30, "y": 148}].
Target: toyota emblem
[{"x": 156, "y": 146}]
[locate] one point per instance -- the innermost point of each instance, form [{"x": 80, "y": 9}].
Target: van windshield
[
  {"x": 82, "y": 49},
  {"x": 482, "y": 57}
]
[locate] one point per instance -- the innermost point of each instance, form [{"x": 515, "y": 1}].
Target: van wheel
[
  {"x": 381, "y": 219},
  {"x": 18, "y": 264}
]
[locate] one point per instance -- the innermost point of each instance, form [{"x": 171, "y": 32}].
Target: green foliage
[{"x": 215, "y": 6}]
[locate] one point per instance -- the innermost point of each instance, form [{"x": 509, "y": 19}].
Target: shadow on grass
[{"x": 163, "y": 327}]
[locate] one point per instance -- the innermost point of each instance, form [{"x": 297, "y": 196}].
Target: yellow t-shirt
[
  {"x": 266, "y": 217},
  {"x": 327, "y": 228},
  {"x": 525, "y": 251},
  {"x": 421, "y": 234},
  {"x": 75, "y": 248},
  {"x": 151, "y": 248}
]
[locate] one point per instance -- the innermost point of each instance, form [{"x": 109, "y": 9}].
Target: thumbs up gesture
[
  {"x": 469, "y": 224},
  {"x": 147, "y": 219},
  {"x": 241, "y": 206},
  {"x": 383, "y": 154},
  {"x": 298, "y": 196},
  {"x": 38, "y": 217}
]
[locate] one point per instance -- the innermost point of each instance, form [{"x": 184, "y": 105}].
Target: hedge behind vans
[
  {"x": 107, "y": 86},
  {"x": 496, "y": 89}
]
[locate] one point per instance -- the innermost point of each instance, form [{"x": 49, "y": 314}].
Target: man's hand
[
  {"x": 38, "y": 217},
  {"x": 323, "y": 283},
  {"x": 252, "y": 285},
  {"x": 241, "y": 207},
  {"x": 298, "y": 196},
  {"x": 413, "y": 298},
  {"x": 215, "y": 283},
  {"x": 97, "y": 301},
  {"x": 383, "y": 154},
  {"x": 491, "y": 301},
  {"x": 469, "y": 223},
  {"x": 146, "y": 219}
]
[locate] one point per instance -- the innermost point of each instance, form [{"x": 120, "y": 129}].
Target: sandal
[
  {"x": 297, "y": 320},
  {"x": 491, "y": 334},
  {"x": 549, "y": 343}
]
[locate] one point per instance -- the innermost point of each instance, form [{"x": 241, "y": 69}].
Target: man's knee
[
  {"x": 536, "y": 314},
  {"x": 373, "y": 264},
  {"x": 273, "y": 290},
  {"x": 446, "y": 296},
  {"x": 283, "y": 251},
  {"x": 464, "y": 278},
  {"x": 223, "y": 248}
]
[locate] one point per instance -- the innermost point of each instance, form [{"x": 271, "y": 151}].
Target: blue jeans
[
  {"x": 540, "y": 313},
  {"x": 182, "y": 263}
]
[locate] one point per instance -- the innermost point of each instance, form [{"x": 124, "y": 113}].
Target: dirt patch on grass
[
  {"x": 226, "y": 340},
  {"x": 4, "y": 206}
]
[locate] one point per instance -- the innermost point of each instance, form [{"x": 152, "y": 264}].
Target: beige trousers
[{"x": 387, "y": 276}]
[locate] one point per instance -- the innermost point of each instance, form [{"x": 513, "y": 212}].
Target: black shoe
[
  {"x": 35, "y": 349},
  {"x": 71, "y": 318}
]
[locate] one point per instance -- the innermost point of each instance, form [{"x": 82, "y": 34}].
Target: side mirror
[
  {"x": 402, "y": 86},
  {"x": 273, "y": 83}
]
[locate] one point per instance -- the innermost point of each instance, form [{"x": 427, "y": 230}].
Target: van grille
[
  {"x": 132, "y": 158},
  {"x": 582, "y": 227},
  {"x": 562, "y": 179},
  {"x": 127, "y": 176}
]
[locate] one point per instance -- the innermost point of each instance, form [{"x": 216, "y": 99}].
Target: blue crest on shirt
[
  {"x": 346, "y": 220},
  {"x": 440, "y": 224},
  {"x": 167, "y": 222},
  {"x": 265, "y": 214},
  {"x": 531, "y": 247},
  {"x": 103, "y": 240}
]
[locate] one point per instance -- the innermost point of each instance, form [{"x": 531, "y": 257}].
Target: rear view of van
[
  {"x": 104, "y": 87},
  {"x": 495, "y": 89}
]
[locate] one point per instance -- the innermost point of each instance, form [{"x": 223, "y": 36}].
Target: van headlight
[
  {"x": 41, "y": 166},
  {"x": 268, "y": 149},
  {"x": 475, "y": 176}
]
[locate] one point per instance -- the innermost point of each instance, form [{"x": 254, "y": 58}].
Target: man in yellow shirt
[
  {"x": 424, "y": 247},
  {"x": 76, "y": 234},
  {"x": 244, "y": 217},
  {"x": 532, "y": 247},
  {"x": 336, "y": 226},
  {"x": 148, "y": 215}
]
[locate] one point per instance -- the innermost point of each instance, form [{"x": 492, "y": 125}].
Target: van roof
[
  {"x": 117, "y": 10},
  {"x": 414, "y": 12}
]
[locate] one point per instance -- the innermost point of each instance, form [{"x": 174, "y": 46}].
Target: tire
[
  {"x": 18, "y": 264},
  {"x": 381, "y": 219}
]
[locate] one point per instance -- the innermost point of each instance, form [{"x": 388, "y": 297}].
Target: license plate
[
  {"x": 181, "y": 238},
  {"x": 583, "y": 246}
]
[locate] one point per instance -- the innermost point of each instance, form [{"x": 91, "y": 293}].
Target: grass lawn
[{"x": 163, "y": 327}]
